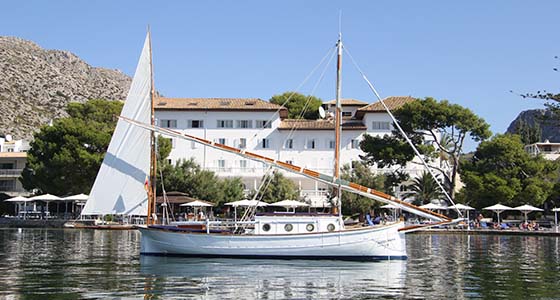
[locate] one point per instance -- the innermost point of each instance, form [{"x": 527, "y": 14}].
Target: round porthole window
[
  {"x": 288, "y": 227},
  {"x": 330, "y": 227},
  {"x": 310, "y": 227},
  {"x": 266, "y": 227}
]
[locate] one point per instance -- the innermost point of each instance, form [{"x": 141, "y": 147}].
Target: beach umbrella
[
  {"x": 525, "y": 209},
  {"x": 17, "y": 200},
  {"x": 47, "y": 198},
  {"x": 556, "y": 210},
  {"x": 244, "y": 202},
  {"x": 289, "y": 204},
  {"x": 198, "y": 203},
  {"x": 432, "y": 206},
  {"x": 466, "y": 208},
  {"x": 498, "y": 209},
  {"x": 80, "y": 198}
]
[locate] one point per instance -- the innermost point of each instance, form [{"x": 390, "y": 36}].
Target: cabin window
[
  {"x": 310, "y": 227},
  {"x": 168, "y": 123},
  {"x": 225, "y": 124},
  {"x": 195, "y": 123},
  {"x": 376, "y": 125},
  {"x": 266, "y": 227},
  {"x": 244, "y": 124},
  {"x": 263, "y": 124},
  {"x": 330, "y": 227},
  {"x": 288, "y": 227}
]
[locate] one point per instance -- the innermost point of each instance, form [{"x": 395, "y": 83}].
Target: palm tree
[{"x": 423, "y": 189}]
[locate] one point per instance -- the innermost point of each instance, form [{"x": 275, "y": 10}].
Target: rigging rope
[{"x": 370, "y": 85}]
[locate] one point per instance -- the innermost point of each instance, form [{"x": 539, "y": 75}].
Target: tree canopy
[
  {"x": 299, "y": 106},
  {"x": 64, "y": 158},
  {"x": 437, "y": 128},
  {"x": 502, "y": 172},
  {"x": 188, "y": 177},
  {"x": 360, "y": 174},
  {"x": 277, "y": 188},
  {"x": 423, "y": 189}
]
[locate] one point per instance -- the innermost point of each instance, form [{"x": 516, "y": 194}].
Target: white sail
[{"x": 119, "y": 187}]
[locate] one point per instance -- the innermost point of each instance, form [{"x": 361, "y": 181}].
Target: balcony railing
[{"x": 10, "y": 172}]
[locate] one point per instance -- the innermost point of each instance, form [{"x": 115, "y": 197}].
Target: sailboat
[{"x": 128, "y": 186}]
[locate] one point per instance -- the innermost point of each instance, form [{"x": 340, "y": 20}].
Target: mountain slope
[
  {"x": 550, "y": 130},
  {"x": 36, "y": 85}
]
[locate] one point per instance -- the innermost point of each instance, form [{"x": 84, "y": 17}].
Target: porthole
[
  {"x": 288, "y": 227},
  {"x": 266, "y": 227},
  {"x": 310, "y": 227},
  {"x": 330, "y": 227}
]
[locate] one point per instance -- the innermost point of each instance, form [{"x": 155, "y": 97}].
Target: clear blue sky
[{"x": 471, "y": 52}]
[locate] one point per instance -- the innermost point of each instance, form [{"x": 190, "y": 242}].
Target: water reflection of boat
[{"x": 240, "y": 278}]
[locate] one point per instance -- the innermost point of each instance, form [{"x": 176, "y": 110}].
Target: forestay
[{"x": 119, "y": 187}]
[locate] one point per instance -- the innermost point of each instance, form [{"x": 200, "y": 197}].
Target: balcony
[{"x": 10, "y": 173}]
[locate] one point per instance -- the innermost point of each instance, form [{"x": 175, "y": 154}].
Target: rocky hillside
[
  {"x": 36, "y": 85},
  {"x": 550, "y": 130}
]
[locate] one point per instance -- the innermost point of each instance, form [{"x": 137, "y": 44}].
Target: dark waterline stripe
[{"x": 283, "y": 257}]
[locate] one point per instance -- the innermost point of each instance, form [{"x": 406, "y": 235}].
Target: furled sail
[
  {"x": 345, "y": 185},
  {"x": 120, "y": 185}
]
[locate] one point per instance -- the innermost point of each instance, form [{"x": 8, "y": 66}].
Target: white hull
[{"x": 368, "y": 243}]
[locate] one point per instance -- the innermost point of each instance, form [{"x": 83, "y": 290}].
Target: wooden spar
[
  {"x": 337, "y": 125},
  {"x": 153, "y": 161},
  {"x": 335, "y": 182}
]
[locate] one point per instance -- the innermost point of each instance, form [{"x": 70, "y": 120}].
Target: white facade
[
  {"x": 548, "y": 150},
  {"x": 13, "y": 157},
  {"x": 309, "y": 148}
]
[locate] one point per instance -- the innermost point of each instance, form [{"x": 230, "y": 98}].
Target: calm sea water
[{"x": 91, "y": 264}]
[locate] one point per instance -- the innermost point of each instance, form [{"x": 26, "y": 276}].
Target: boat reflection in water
[{"x": 240, "y": 278}]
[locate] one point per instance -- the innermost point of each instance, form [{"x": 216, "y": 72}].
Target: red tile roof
[
  {"x": 218, "y": 104},
  {"x": 302, "y": 124},
  {"x": 348, "y": 102},
  {"x": 393, "y": 102}
]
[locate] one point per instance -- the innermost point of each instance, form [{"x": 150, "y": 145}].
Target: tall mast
[
  {"x": 337, "y": 122},
  {"x": 153, "y": 160}
]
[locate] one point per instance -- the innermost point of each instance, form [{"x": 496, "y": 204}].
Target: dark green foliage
[
  {"x": 278, "y": 188},
  {"x": 163, "y": 148},
  {"x": 188, "y": 177},
  {"x": 360, "y": 174},
  {"x": 447, "y": 124},
  {"x": 423, "y": 189},
  {"x": 64, "y": 158},
  {"x": 529, "y": 134},
  {"x": 502, "y": 172},
  {"x": 299, "y": 106}
]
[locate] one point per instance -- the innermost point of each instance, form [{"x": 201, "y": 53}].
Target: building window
[
  {"x": 244, "y": 124},
  {"x": 222, "y": 141},
  {"x": 332, "y": 143},
  {"x": 346, "y": 113},
  {"x": 265, "y": 143},
  {"x": 355, "y": 144},
  {"x": 376, "y": 125},
  {"x": 311, "y": 144},
  {"x": 221, "y": 164},
  {"x": 225, "y": 124},
  {"x": 291, "y": 162},
  {"x": 168, "y": 123},
  {"x": 242, "y": 143},
  {"x": 289, "y": 144},
  {"x": 195, "y": 123},
  {"x": 263, "y": 124},
  {"x": 243, "y": 164}
]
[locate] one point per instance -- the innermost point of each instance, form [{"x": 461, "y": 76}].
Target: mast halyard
[
  {"x": 153, "y": 161},
  {"x": 337, "y": 123}
]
